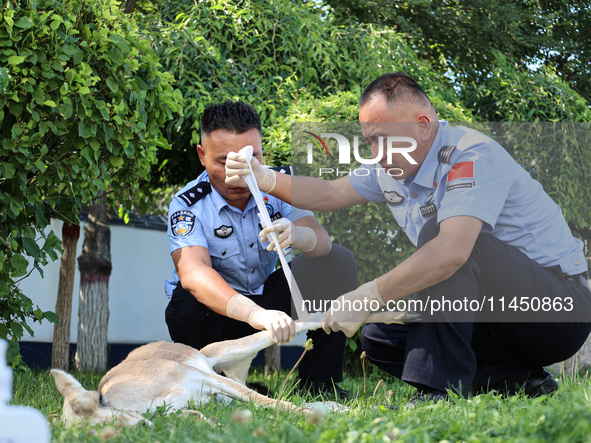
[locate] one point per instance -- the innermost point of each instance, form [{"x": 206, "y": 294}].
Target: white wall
[{"x": 141, "y": 262}]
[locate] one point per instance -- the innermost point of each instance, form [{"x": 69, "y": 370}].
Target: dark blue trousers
[
  {"x": 320, "y": 278},
  {"x": 478, "y": 351}
]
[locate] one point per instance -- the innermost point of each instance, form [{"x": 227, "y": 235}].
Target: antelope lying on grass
[{"x": 173, "y": 374}]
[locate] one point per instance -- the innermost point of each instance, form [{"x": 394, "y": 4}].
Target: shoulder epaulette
[
  {"x": 196, "y": 193},
  {"x": 289, "y": 169},
  {"x": 445, "y": 153}
]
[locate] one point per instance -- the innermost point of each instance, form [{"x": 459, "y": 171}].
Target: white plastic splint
[{"x": 251, "y": 181}]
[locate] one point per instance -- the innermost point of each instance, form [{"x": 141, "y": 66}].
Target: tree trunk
[
  {"x": 60, "y": 353},
  {"x": 272, "y": 359},
  {"x": 95, "y": 269}
]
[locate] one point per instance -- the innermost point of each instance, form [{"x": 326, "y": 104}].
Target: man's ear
[
  {"x": 425, "y": 126},
  {"x": 201, "y": 154}
]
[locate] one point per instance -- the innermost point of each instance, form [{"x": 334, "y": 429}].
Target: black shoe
[
  {"x": 539, "y": 382},
  {"x": 424, "y": 396},
  {"x": 324, "y": 388}
]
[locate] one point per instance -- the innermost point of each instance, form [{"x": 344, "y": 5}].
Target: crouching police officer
[
  {"x": 486, "y": 233},
  {"x": 225, "y": 285}
]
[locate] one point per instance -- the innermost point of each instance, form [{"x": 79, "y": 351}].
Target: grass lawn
[{"x": 564, "y": 417}]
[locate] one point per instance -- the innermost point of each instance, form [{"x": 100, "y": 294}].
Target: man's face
[
  {"x": 213, "y": 153},
  {"x": 377, "y": 120}
]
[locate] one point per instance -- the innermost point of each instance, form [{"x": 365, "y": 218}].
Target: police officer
[
  {"x": 484, "y": 230},
  {"x": 225, "y": 285}
]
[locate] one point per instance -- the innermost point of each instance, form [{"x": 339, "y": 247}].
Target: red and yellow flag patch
[{"x": 461, "y": 170}]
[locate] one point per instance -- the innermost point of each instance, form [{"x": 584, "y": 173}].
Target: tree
[
  {"x": 82, "y": 101},
  {"x": 461, "y": 37},
  {"x": 60, "y": 351},
  {"x": 93, "y": 311}
]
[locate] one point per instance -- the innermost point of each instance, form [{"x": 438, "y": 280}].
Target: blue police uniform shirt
[
  {"x": 468, "y": 173},
  {"x": 199, "y": 216}
]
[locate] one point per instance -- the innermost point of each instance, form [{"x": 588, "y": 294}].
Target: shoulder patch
[
  {"x": 182, "y": 223},
  {"x": 445, "y": 153},
  {"x": 196, "y": 193},
  {"x": 289, "y": 169}
]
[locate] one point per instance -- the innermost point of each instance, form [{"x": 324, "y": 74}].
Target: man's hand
[
  {"x": 278, "y": 323},
  {"x": 300, "y": 237},
  {"x": 280, "y": 326},
  {"x": 348, "y": 312},
  {"x": 236, "y": 168}
]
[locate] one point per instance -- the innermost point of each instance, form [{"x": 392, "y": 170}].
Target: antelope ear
[{"x": 64, "y": 382}]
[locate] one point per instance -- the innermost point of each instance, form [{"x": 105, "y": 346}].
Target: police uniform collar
[{"x": 426, "y": 175}]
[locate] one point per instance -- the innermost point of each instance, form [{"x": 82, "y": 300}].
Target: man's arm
[
  {"x": 193, "y": 265},
  {"x": 303, "y": 192},
  {"x": 436, "y": 261}
]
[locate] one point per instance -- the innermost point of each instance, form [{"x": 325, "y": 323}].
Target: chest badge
[
  {"x": 182, "y": 223},
  {"x": 223, "y": 231},
  {"x": 393, "y": 198},
  {"x": 428, "y": 209}
]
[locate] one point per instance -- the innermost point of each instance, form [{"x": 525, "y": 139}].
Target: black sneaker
[
  {"x": 539, "y": 382},
  {"x": 324, "y": 388}
]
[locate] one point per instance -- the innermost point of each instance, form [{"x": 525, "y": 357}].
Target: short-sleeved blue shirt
[
  {"x": 199, "y": 216},
  {"x": 468, "y": 173}
]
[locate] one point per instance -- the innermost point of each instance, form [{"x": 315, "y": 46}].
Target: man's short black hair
[
  {"x": 233, "y": 116},
  {"x": 394, "y": 86}
]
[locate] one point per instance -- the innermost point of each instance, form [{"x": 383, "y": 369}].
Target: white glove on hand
[
  {"x": 302, "y": 238},
  {"x": 236, "y": 168},
  {"x": 280, "y": 326},
  {"x": 350, "y": 310}
]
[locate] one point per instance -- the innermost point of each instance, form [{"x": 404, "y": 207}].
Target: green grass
[{"x": 564, "y": 417}]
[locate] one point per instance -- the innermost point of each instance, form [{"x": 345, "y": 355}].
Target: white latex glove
[
  {"x": 280, "y": 326},
  {"x": 300, "y": 237},
  {"x": 350, "y": 310},
  {"x": 236, "y": 167}
]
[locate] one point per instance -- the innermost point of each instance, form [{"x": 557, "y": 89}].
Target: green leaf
[
  {"x": 15, "y": 60},
  {"x": 116, "y": 56},
  {"x": 16, "y": 131},
  {"x": 84, "y": 130},
  {"x": 4, "y": 80},
  {"x": 49, "y": 103},
  {"x": 24, "y": 23},
  {"x": 7, "y": 170},
  {"x": 70, "y": 73},
  {"x": 52, "y": 317},
  {"x": 16, "y": 108},
  {"x": 67, "y": 108},
  {"x": 120, "y": 42},
  {"x": 87, "y": 154},
  {"x": 117, "y": 162},
  {"x": 16, "y": 329},
  {"x": 112, "y": 84},
  {"x": 32, "y": 247},
  {"x": 20, "y": 264}
]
